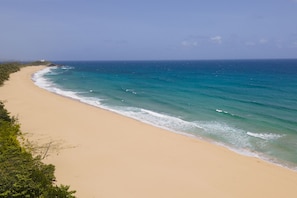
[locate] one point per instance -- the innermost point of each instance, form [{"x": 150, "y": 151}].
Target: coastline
[{"x": 102, "y": 154}]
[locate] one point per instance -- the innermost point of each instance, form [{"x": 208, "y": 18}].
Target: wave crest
[{"x": 265, "y": 136}]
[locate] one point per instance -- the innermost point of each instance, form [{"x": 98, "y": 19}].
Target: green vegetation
[
  {"x": 22, "y": 174},
  {"x": 35, "y": 63},
  {"x": 6, "y": 69},
  {"x": 10, "y": 67}
]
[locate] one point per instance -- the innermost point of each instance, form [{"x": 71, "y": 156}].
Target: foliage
[
  {"x": 37, "y": 63},
  {"x": 10, "y": 67},
  {"x": 21, "y": 174},
  {"x": 6, "y": 69},
  {"x": 4, "y": 115}
]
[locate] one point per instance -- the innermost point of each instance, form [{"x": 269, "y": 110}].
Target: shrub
[{"x": 21, "y": 174}]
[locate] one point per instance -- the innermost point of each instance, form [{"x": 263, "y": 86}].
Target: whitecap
[
  {"x": 131, "y": 91},
  {"x": 65, "y": 67},
  {"x": 222, "y": 111},
  {"x": 265, "y": 136}
]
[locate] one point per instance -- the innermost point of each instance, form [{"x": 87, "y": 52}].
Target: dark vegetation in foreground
[{"x": 21, "y": 173}]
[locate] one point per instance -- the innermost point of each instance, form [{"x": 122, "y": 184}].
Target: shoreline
[
  {"x": 245, "y": 152},
  {"x": 99, "y": 158}
]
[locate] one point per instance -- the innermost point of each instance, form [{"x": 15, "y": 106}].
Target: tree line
[{"x": 21, "y": 173}]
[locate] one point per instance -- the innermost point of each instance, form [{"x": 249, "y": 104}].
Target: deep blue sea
[{"x": 249, "y": 106}]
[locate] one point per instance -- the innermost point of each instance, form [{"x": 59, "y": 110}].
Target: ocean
[{"x": 248, "y": 106}]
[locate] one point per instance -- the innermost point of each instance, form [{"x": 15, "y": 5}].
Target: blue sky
[{"x": 147, "y": 29}]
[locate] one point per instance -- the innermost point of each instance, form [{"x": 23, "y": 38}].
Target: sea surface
[{"x": 249, "y": 106}]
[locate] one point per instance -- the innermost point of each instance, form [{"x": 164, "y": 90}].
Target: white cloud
[
  {"x": 196, "y": 41},
  {"x": 216, "y": 39},
  {"x": 189, "y": 43}
]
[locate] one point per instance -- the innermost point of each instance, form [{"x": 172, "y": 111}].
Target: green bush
[
  {"x": 22, "y": 174},
  {"x": 6, "y": 69}
]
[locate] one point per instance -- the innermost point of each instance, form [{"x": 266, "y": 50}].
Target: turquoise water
[{"x": 249, "y": 106}]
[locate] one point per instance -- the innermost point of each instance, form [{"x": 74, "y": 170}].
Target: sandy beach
[{"x": 106, "y": 155}]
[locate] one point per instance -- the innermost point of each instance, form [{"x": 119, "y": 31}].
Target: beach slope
[{"x": 102, "y": 154}]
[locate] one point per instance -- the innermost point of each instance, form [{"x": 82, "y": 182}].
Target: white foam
[
  {"x": 131, "y": 91},
  {"x": 39, "y": 79},
  {"x": 219, "y": 110},
  {"x": 265, "y": 136},
  {"x": 146, "y": 116},
  {"x": 157, "y": 119},
  {"x": 221, "y": 131},
  {"x": 42, "y": 82},
  {"x": 65, "y": 67},
  {"x": 222, "y": 111}
]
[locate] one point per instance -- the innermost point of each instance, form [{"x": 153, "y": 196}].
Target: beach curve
[{"x": 102, "y": 154}]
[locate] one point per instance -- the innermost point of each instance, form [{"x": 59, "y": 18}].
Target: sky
[{"x": 147, "y": 29}]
